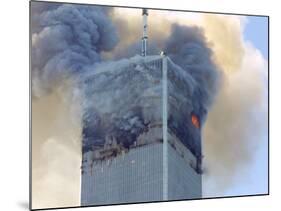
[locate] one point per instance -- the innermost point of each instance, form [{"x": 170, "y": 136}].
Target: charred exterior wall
[{"x": 123, "y": 134}]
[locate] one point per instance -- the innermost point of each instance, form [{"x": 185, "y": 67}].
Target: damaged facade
[{"x": 141, "y": 143}]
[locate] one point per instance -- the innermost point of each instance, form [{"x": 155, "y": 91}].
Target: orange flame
[{"x": 195, "y": 121}]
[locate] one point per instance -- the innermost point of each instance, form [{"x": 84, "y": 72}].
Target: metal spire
[{"x": 144, "y": 35}]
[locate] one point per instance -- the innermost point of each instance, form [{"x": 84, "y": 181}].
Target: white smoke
[{"x": 236, "y": 127}]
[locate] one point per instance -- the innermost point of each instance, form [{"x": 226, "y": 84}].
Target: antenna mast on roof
[{"x": 144, "y": 35}]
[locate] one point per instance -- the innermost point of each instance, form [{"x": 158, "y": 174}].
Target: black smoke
[
  {"x": 188, "y": 48},
  {"x": 65, "y": 39}
]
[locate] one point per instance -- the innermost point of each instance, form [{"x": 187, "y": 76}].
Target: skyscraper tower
[{"x": 141, "y": 133}]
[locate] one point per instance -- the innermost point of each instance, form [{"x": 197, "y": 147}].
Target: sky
[{"x": 256, "y": 31}]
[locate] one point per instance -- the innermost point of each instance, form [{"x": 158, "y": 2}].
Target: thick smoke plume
[
  {"x": 66, "y": 39},
  {"x": 236, "y": 128},
  {"x": 188, "y": 48}
]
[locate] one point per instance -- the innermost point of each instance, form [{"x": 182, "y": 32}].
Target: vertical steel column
[{"x": 165, "y": 127}]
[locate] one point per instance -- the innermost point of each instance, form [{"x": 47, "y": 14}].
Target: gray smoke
[
  {"x": 65, "y": 39},
  {"x": 187, "y": 47}
]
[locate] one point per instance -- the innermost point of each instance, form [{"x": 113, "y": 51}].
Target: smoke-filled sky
[{"x": 70, "y": 39}]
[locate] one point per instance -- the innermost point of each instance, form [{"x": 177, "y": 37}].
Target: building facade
[{"x": 141, "y": 133}]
